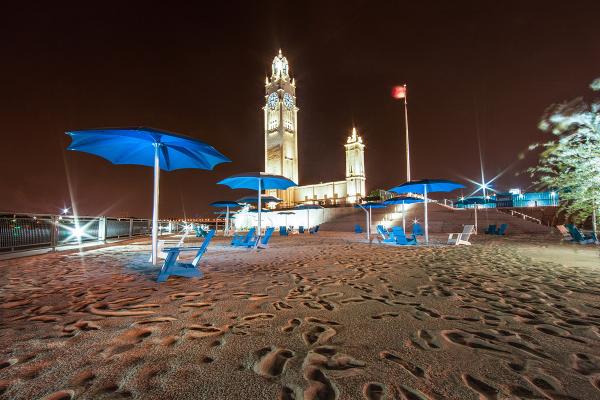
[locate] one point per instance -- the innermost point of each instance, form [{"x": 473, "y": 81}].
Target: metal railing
[
  {"x": 521, "y": 215},
  {"x": 19, "y": 232}
]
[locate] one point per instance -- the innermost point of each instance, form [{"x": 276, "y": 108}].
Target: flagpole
[{"x": 407, "y": 141}]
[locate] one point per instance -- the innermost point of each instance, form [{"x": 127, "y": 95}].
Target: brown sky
[{"x": 199, "y": 70}]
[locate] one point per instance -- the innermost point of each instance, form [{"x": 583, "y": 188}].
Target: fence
[{"x": 34, "y": 231}]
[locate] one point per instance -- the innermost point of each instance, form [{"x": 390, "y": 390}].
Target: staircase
[{"x": 442, "y": 219}]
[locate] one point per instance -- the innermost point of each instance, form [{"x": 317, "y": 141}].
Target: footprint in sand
[
  {"x": 409, "y": 393},
  {"x": 201, "y": 331},
  {"x": 414, "y": 370},
  {"x": 258, "y": 316},
  {"x": 281, "y": 305},
  {"x": 291, "y": 325},
  {"x": 61, "y": 395},
  {"x": 272, "y": 361},
  {"x": 327, "y": 357},
  {"x": 374, "y": 391},
  {"x": 314, "y": 320},
  {"x": 485, "y": 391},
  {"x": 320, "y": 387},
  {"x": 425, "y": 340},
  {"x": 585, "y": 364},
  {"x": 318, "y": 335}
]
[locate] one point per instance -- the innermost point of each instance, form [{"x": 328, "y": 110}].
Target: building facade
[{"x": 281, "y": 146}]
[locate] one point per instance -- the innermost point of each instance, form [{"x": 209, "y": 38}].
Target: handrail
[{"x": 520, "y": 214}]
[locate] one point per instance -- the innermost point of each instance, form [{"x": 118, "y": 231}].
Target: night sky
[{"x": 483, "y": 66}]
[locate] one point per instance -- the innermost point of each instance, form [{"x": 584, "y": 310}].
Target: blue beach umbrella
[
  {"x": 264, "y": 199},
  {"x": 258, "y": 181},
  {"x": 367, "y": 207},
  {"x": 308, "y": 207},
  {"x": 228, "y": 205},
  {"x": 476, "y": 200},
  {"x": 423, "y": 187},
  {"x": 149, "y": 147},
  {"x": 403, "y": 200}
]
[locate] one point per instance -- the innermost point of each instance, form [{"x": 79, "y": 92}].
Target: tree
[{"x": 570, "y": 162}]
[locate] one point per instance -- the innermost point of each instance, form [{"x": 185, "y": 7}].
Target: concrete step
[{"x": 441, "y": 219}]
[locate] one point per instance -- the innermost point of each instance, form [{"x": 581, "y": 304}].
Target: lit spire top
[
  {"x": 280, "y": 67},
  {"x": 354, "y": 138}
]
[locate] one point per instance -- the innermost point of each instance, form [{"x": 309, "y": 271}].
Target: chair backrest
[
  {"x": 491, "y": 229},
  {"x": 502, "y": 229},
  {"x": 301, "y": 229},
  {"x": 575, "y": 233},
  {"x": 250, "y": 235},
  {"x": 205, "y": 244},
  {"x": 563, "y": 230},
  {"x": 283, "y": 231},
  {"x": 317, "y": 228},
  {"x": 383, "y": 232},
  {"x": 466, "y": 233},
  {"x": 357, "y": 228},
  {"x": 267, "y": 236},
  {"x": 417, "y": 229}
]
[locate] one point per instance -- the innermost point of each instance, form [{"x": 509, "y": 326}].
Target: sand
[{"x": 312, "y": 317}]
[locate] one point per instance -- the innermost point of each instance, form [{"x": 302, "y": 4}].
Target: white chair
[{"x": 463, "y": 237}]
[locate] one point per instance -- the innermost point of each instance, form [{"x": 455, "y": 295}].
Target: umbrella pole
[
  {"x": 476, "y": 205},
  {"x": 259, "y": 207},
  {"x": 403, "y": 218},
  {"x": 155, "y": 205},
  {"x": 426, "y": 217},
  {"x": 226, "y": 232},
  {"x": 308, "y": 219},
  {"x": 370, "y": 221}
]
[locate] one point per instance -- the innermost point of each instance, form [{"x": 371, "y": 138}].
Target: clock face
[
  {"x": 288, "y": 100},
  {"x": 273, "y": 100}
]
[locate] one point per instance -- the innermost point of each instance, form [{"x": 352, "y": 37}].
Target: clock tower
[{"x": 281, "y": 124}]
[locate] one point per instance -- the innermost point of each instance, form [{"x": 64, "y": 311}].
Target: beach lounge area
[{"x": 325, "y": 316}]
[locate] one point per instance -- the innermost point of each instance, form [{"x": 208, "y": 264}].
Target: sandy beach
[{"x": 312, "y": 317}]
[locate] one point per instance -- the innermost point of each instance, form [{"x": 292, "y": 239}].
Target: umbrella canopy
[
  {"x": 370, "y": 205},
  {"x": 137, "y": 146},
  {"x": 263, "y": 199},
  {"x": 252, "y": 180},
  {"x": 425, "y": 186},
  {"x": 403, "y": 200},
  {"x": 476, "y": 200},
  {"x": 150, "y": 147},
  {"x": 227, "y": 204},
  {"x": 258, "y": 181}
]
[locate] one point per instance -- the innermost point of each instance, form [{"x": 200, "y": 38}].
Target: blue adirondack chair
[
  {"x": 386, "y": 236},
  {"x": 262, "y": 242},
  {"x": 283, "y": 231},
  {"x": 502, "y": 229},
  {"x": 580, "y": 237},
  {"x": 244, "y": 240},
  {"x": 172, "y": 267},
  {"x": 417, "y": 229},
  {"x": 491, "y": 230},
  {"x": 357, "y": 229},
  {"x": 401, "y": 239},
  {"x": 300, "y": 229},
  {"x": 314, "y": 229}
]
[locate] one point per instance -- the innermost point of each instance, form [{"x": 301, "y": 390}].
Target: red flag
[{"x": 399, "y": 92}]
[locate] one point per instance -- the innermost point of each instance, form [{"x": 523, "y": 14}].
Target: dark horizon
[{"x": 471, "y": 68}]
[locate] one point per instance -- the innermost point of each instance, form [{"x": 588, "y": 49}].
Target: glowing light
[{"x": 65, "y": 210}]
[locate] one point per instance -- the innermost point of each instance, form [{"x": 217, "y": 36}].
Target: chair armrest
[{"x": 170, "y": 249}]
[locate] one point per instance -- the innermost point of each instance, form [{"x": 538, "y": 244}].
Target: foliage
[{"x": 570, "y": 163}]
